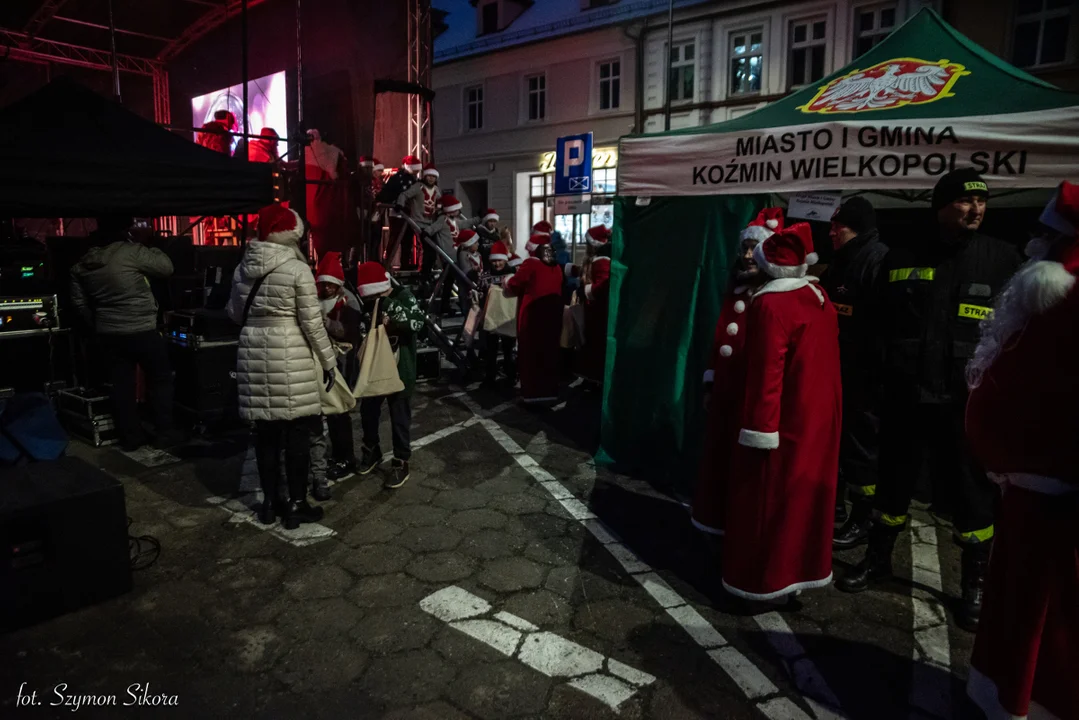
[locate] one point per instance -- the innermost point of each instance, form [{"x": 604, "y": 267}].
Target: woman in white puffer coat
[{"x": 284, "y": 354}]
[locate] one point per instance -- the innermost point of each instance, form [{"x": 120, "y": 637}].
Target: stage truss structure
[{"x": 420, "y": 55}]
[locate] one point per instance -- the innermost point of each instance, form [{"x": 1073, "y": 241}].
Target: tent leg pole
[
  {"x": 115, "y": 61},
  {"x": 667, "y": 83},
  {"x": 247, "y": 124}
]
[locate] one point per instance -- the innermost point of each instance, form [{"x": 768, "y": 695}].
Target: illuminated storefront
[{"x": 574, "y": 227}]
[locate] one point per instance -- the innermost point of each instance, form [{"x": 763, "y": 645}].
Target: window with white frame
[
  {"x": 610, "y": 85},
  {"x": 808, "y": 47},
  {"x": 1041, "y": 32},
  {"x": 681, "y": 81},
  {"x": 872, "y": 23},
  {"x": 537, "y": 96},
  {"x": 474, "y": 108},
  {"x": 747, "y": 60}
]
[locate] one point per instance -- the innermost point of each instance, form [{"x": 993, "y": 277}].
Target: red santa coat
[
  {"x": 1021, "y": 424},
  {"x": 214, "y": 135},
  {"x": 539, "y": 328},
  {"x": 596, "y": 310},
  {"x": 727, "y": 373},
  {"x": 781, "y": 491}
]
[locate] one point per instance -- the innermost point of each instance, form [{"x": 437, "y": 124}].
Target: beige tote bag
[
  {"x": 572, "y": 327},
  {"x": 500, "y": 313},
  {"x": 378, "y": 366},
  {"x": 338, "y": 400}
]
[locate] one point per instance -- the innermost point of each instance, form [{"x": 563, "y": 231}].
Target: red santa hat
[
  {"x": 515, "y": 260},
  {"x": 429, "y": 169},
  {"x": 490, "y": 214},
  {"x": 280, "y": 225},
  {"x": 536, "y": 240},
  {"x": 224, "y": 116},
  {"x": 330, "y": 270},
  {"x": 466, "y": 239},
  {"x": 372, "y": 279},
  {"x": 762, "y": 227},
  {"x": 788, "y": 253},
  {"x": 370, "y": 162},
  {"x": 412, "y": 164},
  {"x": 599, "y": 236},
  {"x": 499, "y": 251},
  {"x": 450, "y": 204},
  {"x": 542, "y": 228}
]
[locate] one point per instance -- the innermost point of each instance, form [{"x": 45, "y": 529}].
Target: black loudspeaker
[
  {"x": 205, "y": 380},
  {"x": 63, "y": 540}
]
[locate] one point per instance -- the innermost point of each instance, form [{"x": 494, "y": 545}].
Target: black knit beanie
[
  {"x": 857, "y": 214},
  {"x": 956, "y": 184}
]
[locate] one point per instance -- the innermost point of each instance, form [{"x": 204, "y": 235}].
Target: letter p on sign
[{"x": 572, "y": 159}]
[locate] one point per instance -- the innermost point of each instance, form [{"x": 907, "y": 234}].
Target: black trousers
[
  {"x": 340, "y": 428},
  {"x": 295, "y": 437},
  {"x": 408, "y": 241},
  {"x": 492, "y": 342},
  {"x": 122, "y": 354},
  {"x": 912, "y": 435},
  {"x": 859, "y": 444},
  {"x": 400, "y": 423}
]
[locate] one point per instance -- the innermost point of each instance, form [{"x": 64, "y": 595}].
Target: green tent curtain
[{"x": 672, "y": 259}]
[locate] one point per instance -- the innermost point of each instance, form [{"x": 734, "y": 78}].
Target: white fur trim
[
  {"x": 329, "y": 279},
  {"x": 498, "y": 256},
  {"x": 601, "y": 258},
  {"x": 430, "y": 171},
  {"x": 475, "y": 239},
  {"x": 772, "y": 224},
  {"x": 709, "y": 376},
  {"x": 726, "y": 350},
  {"x": 1035, "y": 483},
  {"x": 515, "y": 262},
  {"x": 790, "y": 589},
  {"x": 1043, "y": 284},
  {"x": 755, "y": 232},
  {"x": 706, "y": 528},
  {"x": 570, "y": 270},
  {"x": 288, "y": 237},
  {"x": 757, "y": 439},
  {"x": 740, "y": 307},
  {"x": 588, "y": 291},
  {"x": 413, "y": 168},
  {"x": 812, "y": 258},
  {"x": 777, "y": 271},
  {"x": 540, "y": 232},
  {"x": 782, "y": 285},
  {"x": 491, "y": 216},
  {"x": 452, "y": 208},
  {"x": 596, "y": 243},
  {"x": 379, "y": 167},
  {"x": 531, "y": 246},
  {"x": 732, "y": 329},
  {"x": 374, "y": 288}
]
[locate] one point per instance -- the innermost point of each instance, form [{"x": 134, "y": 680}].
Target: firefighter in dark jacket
[
  {"x": 851, "y": 281},
  {"x": 934, "y": 291}
]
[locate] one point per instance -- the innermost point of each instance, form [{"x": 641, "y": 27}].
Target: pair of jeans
[
  {"x": 400, "y": 423},
  {"x": 492, "y": 342},
  {"x": 295, "y": 437},
  {"x": 122, "y": 355}
]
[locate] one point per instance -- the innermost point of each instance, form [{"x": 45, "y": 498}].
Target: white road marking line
[
  {"x": 931, "y": 671},
  {"x": 740, "y": 669},
  {"x": 454, "y": 428},
  {"x": 807, "y": 678},
  {"x": 606, "y": 679},
  {"x": 305, "y": 534}
]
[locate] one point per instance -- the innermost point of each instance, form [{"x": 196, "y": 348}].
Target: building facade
[{"x": 512, "y": 77}]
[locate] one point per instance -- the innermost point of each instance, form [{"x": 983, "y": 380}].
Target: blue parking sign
[{"x": 573, "y": 165}]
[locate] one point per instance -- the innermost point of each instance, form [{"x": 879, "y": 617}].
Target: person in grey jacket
[
  {"x": 110, "y": 289},
  {"x": 283, "y": 357}
]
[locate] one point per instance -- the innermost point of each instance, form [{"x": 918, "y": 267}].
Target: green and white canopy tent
[{"x": 923, "y": 102}]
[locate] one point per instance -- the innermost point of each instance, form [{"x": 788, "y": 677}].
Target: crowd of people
[{"x": 944, "y": 352}]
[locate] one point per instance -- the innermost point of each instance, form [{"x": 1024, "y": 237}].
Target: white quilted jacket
[{"x": 278, "y": 377}]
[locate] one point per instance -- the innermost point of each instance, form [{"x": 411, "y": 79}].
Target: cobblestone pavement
[{"x": 509, "y": 578}]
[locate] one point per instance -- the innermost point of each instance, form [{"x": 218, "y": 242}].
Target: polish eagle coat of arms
[{"x": 887, "y": 85}]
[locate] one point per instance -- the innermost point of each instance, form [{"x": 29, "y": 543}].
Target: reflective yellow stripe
[
  {"x": 901, "y": 274},
  {"x": 977, "y": 536},
  {"x": 846, "y": 310},
  {"x": 978, "y": 312},
  {"x": 863, "y": 490},
  {"x": 893, "y": 520}
]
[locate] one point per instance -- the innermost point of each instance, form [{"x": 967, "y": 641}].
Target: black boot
[
  {"x": 855, "y": 530},
  {"x": 877, "y": 564},
  {"x": 975, "y": 568},
  {"x": 296, "y": 513},
  {"x": 841, "y": 515}
]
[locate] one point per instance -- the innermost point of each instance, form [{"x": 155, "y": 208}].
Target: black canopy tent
[{"x": 66, "y": 151}]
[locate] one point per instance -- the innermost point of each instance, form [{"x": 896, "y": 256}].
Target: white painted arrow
[{"x": 605, "y": 679}]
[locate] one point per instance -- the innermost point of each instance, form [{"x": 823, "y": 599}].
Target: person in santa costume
[
  {"x": 469, "y": 261},
  {"x": 725, "y": 378},
  {"x": 328, "y": 205},
  {"x": 497, "y": 274},
  {"x": 215, "y": 136},
  {"x": 487, "y": 228},
  {"x": 542, "y": 229},
  {"x": 343, "y": 317},
  {"x": 371, "y": 185},
  {"x": 538, "y": 284},
  {"x": 1020, "y": 423},
  {"x": 264, "y": 147},
  {"x": 781, "y": 491},
  {"x": 515, "y": 261},
  {"x": 594, "y": 275},
  {"x": 405, "y": 177},
  {"x": 445, "y": 230}
]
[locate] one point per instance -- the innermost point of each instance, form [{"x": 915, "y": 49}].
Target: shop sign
[{"x": 605, "y": 157}]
